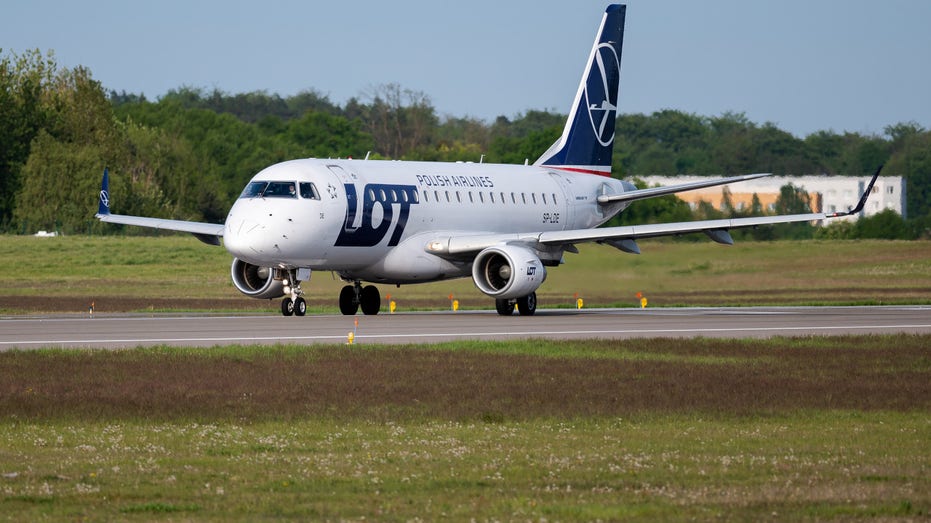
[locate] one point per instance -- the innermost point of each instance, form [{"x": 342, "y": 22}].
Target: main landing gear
[
  {"x": 295, "y": 304},
  {"x": 355, "y": 296},
  {"x": 526, "y": 306}
]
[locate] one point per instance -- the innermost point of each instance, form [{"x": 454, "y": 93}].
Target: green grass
[
  {"x": 822, "y": 465},
  {"x": 180, "y": 273}
]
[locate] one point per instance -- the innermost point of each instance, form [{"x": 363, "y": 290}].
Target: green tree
[
  {"x": 24, "y": 111},
  {"x": 886, "y": 225}
]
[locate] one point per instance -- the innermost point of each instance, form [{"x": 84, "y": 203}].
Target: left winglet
[
  {"x": 103, "y": 206},
  {"x": 866, "y": 194}
]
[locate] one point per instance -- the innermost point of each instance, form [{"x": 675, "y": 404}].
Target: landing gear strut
[
  {"x": 526, "y": 305},
  {"x": 355, "y": 296},
  {"x": 295, "y": 303}
]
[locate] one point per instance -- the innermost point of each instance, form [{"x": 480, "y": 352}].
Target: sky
[{"x": 804, "y": 65}]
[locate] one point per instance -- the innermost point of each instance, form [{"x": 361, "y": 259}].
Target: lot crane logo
[
  {"x": 601, "y": 92},
  {"x": 105, "y": 198}
]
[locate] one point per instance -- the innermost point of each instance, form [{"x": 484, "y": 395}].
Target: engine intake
[
  {"x": 508, "y": 271},
  {"x": 256, "y": 282}
]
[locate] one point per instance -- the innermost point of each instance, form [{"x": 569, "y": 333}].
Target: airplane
[{"x": 407, "y": 222}]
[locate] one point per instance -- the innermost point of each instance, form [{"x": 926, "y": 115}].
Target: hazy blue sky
[{"x": 805, "y": 65}]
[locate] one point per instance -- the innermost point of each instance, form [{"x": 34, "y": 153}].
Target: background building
[{"x": 827, "y": 193}]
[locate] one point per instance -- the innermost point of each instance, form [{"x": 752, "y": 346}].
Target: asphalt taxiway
[{"x": 137, "y": 330}]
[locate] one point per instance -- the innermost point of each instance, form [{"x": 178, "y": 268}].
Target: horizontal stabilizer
[{"x": 653, "y": 192}]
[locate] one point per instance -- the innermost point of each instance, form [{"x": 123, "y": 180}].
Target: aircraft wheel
[
  {"x": 287, "y": 307},
  {"x": 371, "y": 300},
  {"x": 300, "y": 307},
  {"x": 527, "y": 305},
  {"x": 504, "y": 307},
  {"x": 347, "y": 301}
]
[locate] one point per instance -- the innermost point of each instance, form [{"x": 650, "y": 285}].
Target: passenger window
[
  {"x": 447, "y": 197},
  {"x": 502, "y": 198},
  {"x": 533, "y": 196},
  {"x": 554, "y": 198},
  {"x": 458, "y": 197},
  {"x": 415, "y": 196},
  {"x": 471, "y": 197},
  {"x": 491, "y": 195},
  {"x": 309, "y": 191},
  {"x": 481, "y": 197},
  {"x": 523, "y": 196},
  {"x": 544, "y": 199}
]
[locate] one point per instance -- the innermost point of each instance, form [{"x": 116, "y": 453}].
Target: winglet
[
  {"x": 103, "y": 207},
  {"x": 866, "y": 194}
]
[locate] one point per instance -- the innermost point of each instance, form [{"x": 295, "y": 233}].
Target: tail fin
[
  {"x": 103, "y": 207},
  {"x": 588, "y": 139}
]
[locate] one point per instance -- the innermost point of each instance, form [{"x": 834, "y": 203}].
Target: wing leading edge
[
  {"x": 624, "y": 237},
  {"x": 209, "y": 233}
]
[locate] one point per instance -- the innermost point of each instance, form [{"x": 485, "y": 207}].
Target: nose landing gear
[{"x": 295, "y": 304}]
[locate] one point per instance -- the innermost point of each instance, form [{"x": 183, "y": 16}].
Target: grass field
[
  {"x": 783, "y": 429},
  {"x": 180, "y": 273},
  {"x": 786, "y": 429}
]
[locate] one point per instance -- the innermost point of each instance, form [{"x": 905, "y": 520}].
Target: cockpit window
[
  {"x": 253, "y": 190},
  {"x": 270, "y": 190},
  {"x": 280, "y": 190},
  {"x": 309, "y": 191}
]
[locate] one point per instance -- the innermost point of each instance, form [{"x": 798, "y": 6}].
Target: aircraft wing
[
  {"x": 624, "y": 237},
  {"x": 206, "y": 232},
  {"x": 652, "y": 192}
]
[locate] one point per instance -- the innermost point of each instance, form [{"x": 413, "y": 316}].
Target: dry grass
[{"x": 603, "y": 378}]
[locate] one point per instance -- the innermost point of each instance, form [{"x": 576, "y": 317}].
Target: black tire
[
  {"x": 287, "y": 307},
  {"x": 504, "y": 307},
  {"x": 300, "y": 307},
  {"x": 527, "y": 305},
  {"x": 371, "y": 300},
  {"x": 347, "y": 301}
]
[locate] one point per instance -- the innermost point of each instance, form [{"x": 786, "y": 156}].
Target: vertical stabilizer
[{"x": 588, "y": 138}]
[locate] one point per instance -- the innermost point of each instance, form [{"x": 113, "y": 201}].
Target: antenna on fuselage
[{"x": 367, "y": 154}]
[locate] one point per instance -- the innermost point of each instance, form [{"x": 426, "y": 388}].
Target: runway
[{"x": 143, "y": 330}]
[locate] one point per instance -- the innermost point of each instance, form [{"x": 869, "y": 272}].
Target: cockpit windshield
[{"x": 270, "y": 190}]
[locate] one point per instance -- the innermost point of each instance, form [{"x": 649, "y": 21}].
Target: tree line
[{"x": 187, "y": 154}]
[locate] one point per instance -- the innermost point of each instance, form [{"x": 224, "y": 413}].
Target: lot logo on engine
[{"x": 359, "y": 228}]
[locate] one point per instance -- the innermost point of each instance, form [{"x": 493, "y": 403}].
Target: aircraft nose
[{"x": 247, "y": 240}]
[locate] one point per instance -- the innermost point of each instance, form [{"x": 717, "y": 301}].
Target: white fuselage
[{"x": 371, "y": 220}]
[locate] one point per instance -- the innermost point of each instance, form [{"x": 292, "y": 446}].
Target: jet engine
[
  {"x": 256, "y": 282},
  {"x": 507, "y": 272}
]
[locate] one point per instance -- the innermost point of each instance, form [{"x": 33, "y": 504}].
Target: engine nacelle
[
  {"x": 256, "y": 282},
  {"x": 508, "y": 271}
]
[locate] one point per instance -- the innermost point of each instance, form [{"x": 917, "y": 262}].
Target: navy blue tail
[{"x": 587, "y": 140}]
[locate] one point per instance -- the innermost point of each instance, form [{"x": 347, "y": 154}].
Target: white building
[{"x": 828, "y": 193}]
